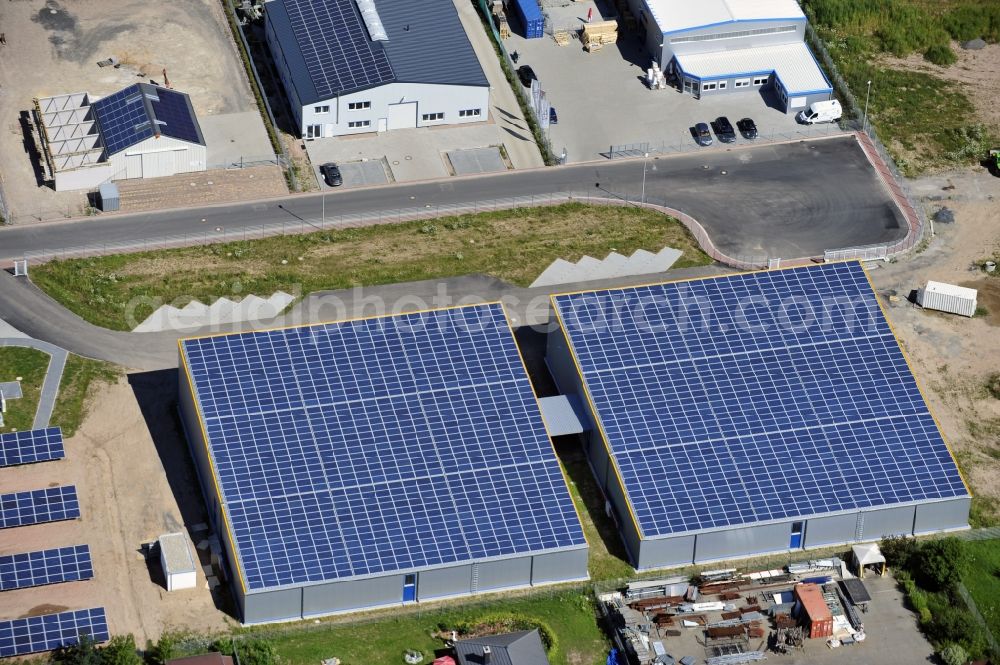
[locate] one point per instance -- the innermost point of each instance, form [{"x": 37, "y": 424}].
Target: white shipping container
[{"x": 948, "y": 298}]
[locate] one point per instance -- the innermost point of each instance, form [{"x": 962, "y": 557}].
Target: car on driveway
[
  {"x": 553, "y": 116},
  {"x": 724, "y": 129},
  {"x": 702, "y": 134},
  {"x": 331, "y": 174},
  {"x": 526, "y": 74},
  {"x": 747, "y": 128}
]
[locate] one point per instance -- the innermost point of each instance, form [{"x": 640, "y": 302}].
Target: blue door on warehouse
[
  {"x": 409, "y": 588},
  {"x": 796, "y": 540}
]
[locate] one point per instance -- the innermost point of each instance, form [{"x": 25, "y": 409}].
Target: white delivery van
[{"x": 821, "y": 112}]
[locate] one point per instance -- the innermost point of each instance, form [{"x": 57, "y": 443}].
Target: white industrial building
[
  {"x": 358, "y": 66},
  {"x": 143, "y": 131},
  {"x": 726, "y": 46}
]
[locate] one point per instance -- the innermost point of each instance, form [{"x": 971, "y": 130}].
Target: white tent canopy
[{"x": 868, "y": 555}]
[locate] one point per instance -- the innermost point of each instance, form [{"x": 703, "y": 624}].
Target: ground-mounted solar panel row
[
  {"x": 379, "y": 461},
  {"x": 31, "y": 446},
  {"x": 30, "y": 569},
  {"x": 51, "y": 504},
  {"x": 51, "y": 631},
  {"x": 754, "y": 413}
]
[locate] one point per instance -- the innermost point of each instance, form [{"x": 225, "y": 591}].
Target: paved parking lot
[
  {"x": 602, "y": 98},
  {"x": 476, "y": 160}
]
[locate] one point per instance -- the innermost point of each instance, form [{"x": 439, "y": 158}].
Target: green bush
[
  {"x": 82, "y": 653},
  {"x": 954, "y": 624},
  {"x": 120, "y": 650},
  {"x": 250, "y": 651},
  {"x": 939, "y": 564},
  {"x": 505, "y": 622},
  {"x": 898, "y": 551},
  {"x": 972, "y": 143},
  {"x": 953, "y": 654},
  {"x": 940, "y": 54}
]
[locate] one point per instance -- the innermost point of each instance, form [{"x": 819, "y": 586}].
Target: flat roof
[
  {"x": 951, "y": 290},
  {"x": 359, "y": 448},
  {"x": 176, "y": 553},
  {"x": 793, "y": 64},
  {"x": 759, "y": 397},
  {"x": 680, "y": 15}
]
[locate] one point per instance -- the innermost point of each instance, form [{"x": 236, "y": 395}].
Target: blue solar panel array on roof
[
  {"x": 378, "y": 445},
  {"x": 52, "y": 631},
  {"x": 30, "y": 446},
  {"x": 756, "y": 397},
  {"x": 142, "y": 111}
]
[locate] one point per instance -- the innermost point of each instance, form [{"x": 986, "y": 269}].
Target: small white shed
[
  {"x": 177, "y": 562},
  {"x": 948, "y": 298}
]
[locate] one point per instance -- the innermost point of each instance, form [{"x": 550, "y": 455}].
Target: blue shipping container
[{"x": 531, "y": 18}]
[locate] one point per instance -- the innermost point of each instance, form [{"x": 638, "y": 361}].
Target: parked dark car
[
  {"x": 747, "y": 128},
  {"x": 526, "y": 74},
  {"x": 702, "y": 134},
  {"x": 331, "y": 174},
  {"x": 553, "y": 116},
  {"x": 724, "y": 129}
]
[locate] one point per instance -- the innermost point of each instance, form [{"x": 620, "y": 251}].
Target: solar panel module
[
  {"x": 63, "y": 564},
  {"x": 51, "y": 504},
  {"x": 52, "y": 631},
  {"x": 31, "y": 446},
  {"x": 758, "y": 412},
  {"x": 378, "y": 461}
]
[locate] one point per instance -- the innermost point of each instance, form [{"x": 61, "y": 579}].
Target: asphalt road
[{"x": 787, "y": 201}]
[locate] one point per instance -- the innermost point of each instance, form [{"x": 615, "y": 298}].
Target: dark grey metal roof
[
  {"x": 521, "y": 648},
  {"x": 328, "y": 52}
]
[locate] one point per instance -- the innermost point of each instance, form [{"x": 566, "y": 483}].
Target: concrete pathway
[
  {"x": 520, "y": 144},
  {"x": 53, "y": 376}
]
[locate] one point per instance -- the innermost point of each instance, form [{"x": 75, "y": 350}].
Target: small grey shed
[
  {"x": 177, "y": 562},
  {"x": 523, "y": 647}
]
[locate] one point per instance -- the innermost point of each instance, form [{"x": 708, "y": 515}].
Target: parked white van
[{"x": 821, "y": 112}]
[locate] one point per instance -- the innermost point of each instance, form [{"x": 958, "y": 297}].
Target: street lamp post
[
  {"x": 645, "y": 157},
  {"x": 867, "y": 97}
]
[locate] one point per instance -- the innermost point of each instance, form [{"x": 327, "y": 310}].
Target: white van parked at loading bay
[{"x": 821, "y": 112}]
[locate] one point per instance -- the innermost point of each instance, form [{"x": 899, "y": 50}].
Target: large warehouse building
[
  {"x": 356, "y": 66},
  {"x": 753, "y": 413},
  {"x": 376, "y": 462},
  {"x": 725, "y": 46}
]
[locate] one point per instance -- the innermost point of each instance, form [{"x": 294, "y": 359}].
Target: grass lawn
[
  {"x": 78, "y": 377},
  {"x": 608, "y": 558},
  {"x": 982, "y": 578},
  {"x": 30, "y": 365},
  {"x": 514, "y": 245},
  {"x": 570, "y": 614},
  {"x": 71, "y": 404}
]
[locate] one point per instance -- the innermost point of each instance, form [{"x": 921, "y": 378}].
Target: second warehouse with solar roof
[
  {"x": 376, "y": 462},
  {"x": 753, "y": 413}
]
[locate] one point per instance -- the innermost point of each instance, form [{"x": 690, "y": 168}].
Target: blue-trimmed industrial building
[
  {"x": 376, "y": 462},
  {"x": 361, "y": 66},
  {"x": 755, "y": 413},
  {"x": 728, "y": 46}
]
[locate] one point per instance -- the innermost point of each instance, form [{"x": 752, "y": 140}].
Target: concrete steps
[
  {"x": 588, "y": 268},
  {"x": 196, "y": 314}
]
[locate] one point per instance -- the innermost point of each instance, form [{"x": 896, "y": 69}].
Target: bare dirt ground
[
  {"x": 978, "y": 72},
  {"x": 53, "y": 47},
  {"x": 953, "y": 356},
  {"x": 121, "y": 477},
  {"x": 192, "y": 189}
]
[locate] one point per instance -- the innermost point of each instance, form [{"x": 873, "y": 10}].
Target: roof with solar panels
[
  {"x": 142, "y": 111},
  {"x": 335, "y": 47}
]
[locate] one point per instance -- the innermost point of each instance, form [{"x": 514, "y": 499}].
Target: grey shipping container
[
  {"x": 108, "y": 194},
  {"x": 948, "y": 298}
]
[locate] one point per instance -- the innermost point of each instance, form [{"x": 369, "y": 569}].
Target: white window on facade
[
  {"x": 722, "y": 85},
  {"x": 358, "y": 106},
  {"x": 707, "y": 86},
  {"x": 357, "y": 124},
  {"x": 322, "y": 109},
  {"x": 761, "y": 80},
  {"x": 314, "y": 131},
  {"x": 741, "y": 83},
  {"x": 469, "y": 113},
  {"x": 431, "y": 117}
]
